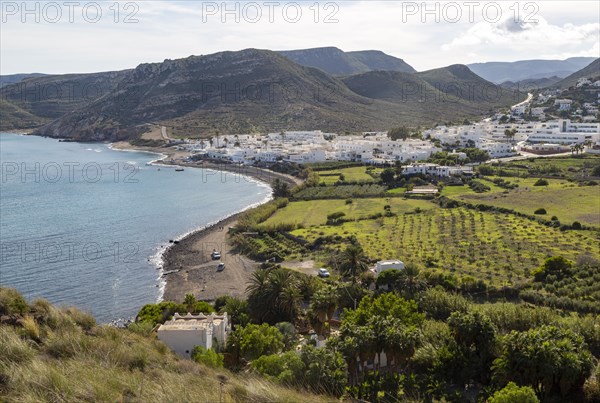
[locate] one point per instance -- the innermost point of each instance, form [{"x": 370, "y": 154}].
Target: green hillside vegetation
[
  {"x": 440, "y": 345},
  {"x": 52, "y": 354}
]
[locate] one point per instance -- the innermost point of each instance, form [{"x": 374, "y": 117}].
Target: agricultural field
[
  {"x": 579, "y": 290},
  {"x": 501, "y": 249},
  {"x": 566, "y": 200},
  {"x": 340, "y": 192},
  {"x": 314, "y": 213},
  {"x": 352, "y": 174},
  {"x": 579, "y": 167}
]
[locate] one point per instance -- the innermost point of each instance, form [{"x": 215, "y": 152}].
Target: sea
[{"x": 84, "y": 225}]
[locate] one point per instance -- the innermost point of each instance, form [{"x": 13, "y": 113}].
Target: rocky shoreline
[{"x": 187, "y": 265}]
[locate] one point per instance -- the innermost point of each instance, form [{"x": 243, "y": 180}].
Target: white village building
[
  {"x": 183, "y": 333},
  {"x": 564, "y": 131}
]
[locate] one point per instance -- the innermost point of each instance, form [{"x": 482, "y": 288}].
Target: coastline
[{"x": 185, "y": 265}]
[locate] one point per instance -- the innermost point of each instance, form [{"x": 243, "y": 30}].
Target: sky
[{"x": 89, "y": 36}]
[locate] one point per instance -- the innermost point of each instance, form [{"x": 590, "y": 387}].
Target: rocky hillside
[
  {"x": 38, "y": 100},
  {"x": 8, "y": 79},
  {"x": 245, "y": 92},
  {"x": 442, "y": 92},
  {"x": 336, "y": 62},
  {"x": 591, "y": 71}
]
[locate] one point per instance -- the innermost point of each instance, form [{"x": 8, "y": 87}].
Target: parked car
[
  {"x": 221, "y": 267},
  {"x": 323, "y": 272},
  {"x": 215, "y": 255}
]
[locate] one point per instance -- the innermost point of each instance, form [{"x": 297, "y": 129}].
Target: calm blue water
[{"x": 82, "y": 224}]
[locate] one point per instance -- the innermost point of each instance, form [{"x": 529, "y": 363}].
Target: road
[
  {"x": 163, "y": 131},
  {"x": 526, "y": 155}
]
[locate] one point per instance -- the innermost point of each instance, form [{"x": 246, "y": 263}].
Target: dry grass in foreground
[{"x": 51, "y": 354}]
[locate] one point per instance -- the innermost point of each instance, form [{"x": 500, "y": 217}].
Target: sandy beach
[{"x": 187, "y": 265}]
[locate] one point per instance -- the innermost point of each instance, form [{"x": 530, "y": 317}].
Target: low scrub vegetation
[{"x": 51, "y": 354}]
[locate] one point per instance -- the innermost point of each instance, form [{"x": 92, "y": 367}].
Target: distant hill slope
[
  {"x": 49, "y": 97},
  {"x": 531, "y": 83},
  {"x": 16, "y": 78},
  {"x": 499, "y": 72},
  {"x": 377, "y": 60},
  {"x": 13, "y": 117},
  {"x": 453, "y": 89},
  {"x": 336, "y": 62},
  {"x": 591, "y": 71}
]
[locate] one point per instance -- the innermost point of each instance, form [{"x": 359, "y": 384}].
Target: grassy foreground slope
[{"x": 51, "y": 354}]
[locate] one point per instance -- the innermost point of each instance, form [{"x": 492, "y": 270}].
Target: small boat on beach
[{"x": 179, "y": 169}]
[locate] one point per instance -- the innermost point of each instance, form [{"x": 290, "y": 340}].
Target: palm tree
[
  {"x": 400, "y": 341},
  {"x": 257, "y": 291},
  {"x": 321, "y": 309},
  {"x": 353, "y": 260},
  {"x": 189, "y": 301},
  {"x": 411, "y": 281},
  {"x": 274, "y": 295}
]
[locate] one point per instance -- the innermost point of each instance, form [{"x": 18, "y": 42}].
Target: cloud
[
  {"x": 524, "y": 39},
  {"x": 174, "y": 29}
]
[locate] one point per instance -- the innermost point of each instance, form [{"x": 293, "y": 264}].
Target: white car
[
  {"x": 221, "y": 267},
  {"x": 323, "y": 272},
  {"x": 215, "y": 255}
]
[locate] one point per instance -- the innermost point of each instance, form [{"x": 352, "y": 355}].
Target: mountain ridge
[
  {"x": 246, "y": 91},
  {"x": 339, "y": 63},
  {"x": 498, "y": 72},
  {"x": 592, "y": 70}
]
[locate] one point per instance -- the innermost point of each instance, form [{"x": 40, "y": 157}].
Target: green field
[
  {"x": 499, "y": 248},
  {"x": 353, "y": 174},
  {"x": 314, "y": 212},
  {"x": 566, "y": 200},
  {"x": 578, "y": 167}
]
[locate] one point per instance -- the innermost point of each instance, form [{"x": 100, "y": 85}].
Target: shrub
[
  {"x": 11, "y": 302},
  {"x": 512, "y": 393},
  {"x": 439, "y": 304},
  {"x": 576, "y": 225},
  {"x": 478, "y": 187},
  {"x": 82, "y": 319},
  {"x": 207, "y": 357},
  {"x": 252, "y": 341},
  {"x": 485, "y": 170},
  {"x": 556, "y": 266},
  {"x": 141, "y": 328},
  {"x": 552, "y": 360},
  {"x": 541, "y": 210},
  {"x": 13, "y": 349},
  {"x": 541, "y": 182},
  {"x": 286, "y": 368}
]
